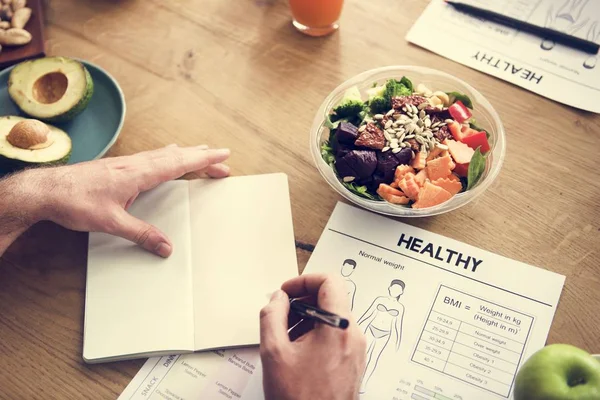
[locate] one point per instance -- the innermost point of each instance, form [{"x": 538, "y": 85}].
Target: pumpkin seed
[
  {"x": 348, "y": 179},
  {"x": 378, "y": 117}
]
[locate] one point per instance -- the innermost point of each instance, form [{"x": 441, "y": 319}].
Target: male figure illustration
[{"x": 348, "y": 268}]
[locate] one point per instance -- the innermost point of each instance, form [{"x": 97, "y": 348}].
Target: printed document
[
  {"x": 552, "y": 70},
  {"x": 443, "y": 320}
]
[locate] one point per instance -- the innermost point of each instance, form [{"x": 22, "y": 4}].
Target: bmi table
[{"x": 239, "y": 76}]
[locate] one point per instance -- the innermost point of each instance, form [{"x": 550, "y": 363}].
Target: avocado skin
[
  {"x": 13, "y": 165},
  {"x": 69, "y": 114}
]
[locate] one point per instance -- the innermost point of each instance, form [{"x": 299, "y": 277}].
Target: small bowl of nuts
[
  {"x": 21, "y": 31},
  {"x": 407, "y": 141}
]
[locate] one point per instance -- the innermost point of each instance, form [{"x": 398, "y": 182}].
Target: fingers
[
  {"x": 217, "y": 171},
  {"x": 173, "y": 162},
  {"x": 141, "y": 233},
  {"x": 329, "y": 291},
  {"x": 274, "y": 323}
]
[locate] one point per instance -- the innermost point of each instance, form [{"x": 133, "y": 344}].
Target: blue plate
[{"x": 96, "y": 129}]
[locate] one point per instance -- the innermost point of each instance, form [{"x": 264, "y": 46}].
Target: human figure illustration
[
  {"x": 566, "y": 18},
  {"x": 348, "y": 268},
  {"x": 380, "y": 323}
]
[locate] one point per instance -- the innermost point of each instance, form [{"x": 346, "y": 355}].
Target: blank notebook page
[
  {"x": 137, "y": 302},
  {"x": 242, "y": 250}
]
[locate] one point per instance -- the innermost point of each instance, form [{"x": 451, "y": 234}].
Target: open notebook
[{"x": 233, "y": 245}]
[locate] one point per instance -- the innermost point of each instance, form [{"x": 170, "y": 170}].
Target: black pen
[
  {"x": 309, "y": 311},
  {"x": 543, "y": 32}
]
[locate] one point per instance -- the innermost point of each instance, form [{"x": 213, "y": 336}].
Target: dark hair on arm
[{"x": 349, "y": 261}]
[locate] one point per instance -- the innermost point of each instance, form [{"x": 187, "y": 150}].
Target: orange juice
[{"x": 316, "y": 17}]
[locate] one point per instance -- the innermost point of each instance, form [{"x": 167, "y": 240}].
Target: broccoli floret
[
  {"x": 379, "y": 105},
  {"x": 407, "y": 83},
  {"x": 383, "y": 102},
  {"x": 351, "y": 104}
]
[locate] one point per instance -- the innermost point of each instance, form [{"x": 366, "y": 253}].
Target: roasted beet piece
[
  {"x": 376, "y": 181},
  {"x": 363, "y": 162},
  {"x": 437, "y": 114},
  {"x": 386, "y": 165},
  {"x": 372, "y": 137},
  {"x": 343, "y": 167},
  {"x": 399, "y": 102},
  {"x": 347, "y": 133},
  {"x": 404, "y": 156},
  {"x": 340, "y": 149}
]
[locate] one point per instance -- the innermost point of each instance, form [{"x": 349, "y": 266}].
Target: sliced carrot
[
  {"x": 387, "y": 189},
  {"x": 431, "y": 195},
  {"x": 390, "y": 198},
  {"x": 421, "y": 177},
  {"x": 448, "y": 184},
  {"x": 453, "y": 177},
  {"x": 409, "y": 186},
  {"x": 402, "y": 170},
  {"x": 460, "y": 152},
  {"x": 434, "y": 153},
  {"x": 440, "y": 167},
  {"x": 419, "y": 161}
]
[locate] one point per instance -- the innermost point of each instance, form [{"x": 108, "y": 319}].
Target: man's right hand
[{"x": 325, "y": 363}]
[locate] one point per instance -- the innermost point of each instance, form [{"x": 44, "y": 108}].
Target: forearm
[{"x": 20, "y": 205}]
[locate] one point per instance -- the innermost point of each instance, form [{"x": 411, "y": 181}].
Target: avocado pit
[
  {"x": 29, "y": 134},
  {"x": 50, "y": 88}
]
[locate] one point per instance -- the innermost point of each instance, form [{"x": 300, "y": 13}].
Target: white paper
[
  {"x": 463, "y": 330},
  {"x": 552, "y": 70},
  {"x": 233, "y": 245}
]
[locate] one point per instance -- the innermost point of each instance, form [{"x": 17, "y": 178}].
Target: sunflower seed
[
  {"x": 397, "y": 116},
  {"x": 435, "y": 124},
  {"x": 400, "y": 137},
  {"x": 422, "y": 114},
  {"x": 415, "y": 118},
  {"x": 419, "y": 139},
  {"x": 394, "y": 145},
  {"x": 391, "y": 131},
  {"x": 389, "y": 113},
  {"x": 388, "y": 124},
  {"x": 387, "y": 136},
  {"x": 403, "y": 144},
  {"x": 348, "y": 179},
  {"x": 396, "y": 124},
  {"x": 404, "y": 109},
  {"x": 385, "y": 149},
  {"x": 396, "y": 150},
  {"x": 427, "y": 123},
  {"x": 410, "y": 128},
  {"x": 419, "y": 129},
  {"x": 414, "y": 109},
  {"x": 410, "y": 114},
  {"x": 422, "y": 106},
  {"x": 404, "y": 117},
  {"x": 408, "y": 137},
  {"x": 449, "y": 121},
  {"x": 378, "y": 117},
  {"x": 435, "y": 129},
  {"x": 362, "y": 128},
  {"x": 441, "y": 146},
  {"x": 420, "y": 122}
]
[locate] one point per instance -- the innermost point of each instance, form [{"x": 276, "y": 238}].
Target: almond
[
  {"x": 14, "y": 37},
  {"x": 21, "y": 17}
]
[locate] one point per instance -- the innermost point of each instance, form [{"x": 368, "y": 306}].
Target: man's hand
[
  {"x": 325, "y": 363},
  {"x": 94, "y": 196}
]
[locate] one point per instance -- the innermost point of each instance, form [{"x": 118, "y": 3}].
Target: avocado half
[
  {"x": 51, "y": 147},
  {"x": 52, "y": 89}
]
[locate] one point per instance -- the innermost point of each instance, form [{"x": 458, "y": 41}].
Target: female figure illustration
[{"x": 380, "y": 323}]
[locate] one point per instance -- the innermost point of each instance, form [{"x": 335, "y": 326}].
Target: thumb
[
  {"x": 142, "y": 233},
  {"x": 274, "y": 322}
]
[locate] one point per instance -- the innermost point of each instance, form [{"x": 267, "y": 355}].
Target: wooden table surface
[{"x": 236, "y": 74}]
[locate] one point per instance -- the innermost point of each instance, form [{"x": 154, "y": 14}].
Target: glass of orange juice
[{"x": 316, "y": 17}]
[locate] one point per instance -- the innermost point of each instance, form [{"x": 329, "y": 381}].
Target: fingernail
[
  {"x": 163, "y": 249},
  {"x": 222, "y": 152},
  {"x": 277, "y": 295}
]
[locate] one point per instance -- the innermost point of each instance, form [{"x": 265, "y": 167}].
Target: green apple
[{"x": 559, "y": 372}]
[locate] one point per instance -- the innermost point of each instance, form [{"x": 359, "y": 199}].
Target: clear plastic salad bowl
[{"x": 483, "y": 112}]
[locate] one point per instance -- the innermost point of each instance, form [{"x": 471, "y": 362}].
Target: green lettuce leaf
[
  {"x": 476, "y": 169},
  {"x": 462, "y": 97}
]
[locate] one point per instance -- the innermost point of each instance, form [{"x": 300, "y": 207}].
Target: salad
[{"x": 408, "y": 146}]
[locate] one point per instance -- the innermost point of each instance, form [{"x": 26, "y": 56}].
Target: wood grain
[{"x": 208, "y": 71}]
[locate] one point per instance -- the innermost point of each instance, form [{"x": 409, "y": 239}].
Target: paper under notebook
[{"x": 233, "y": 244}]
